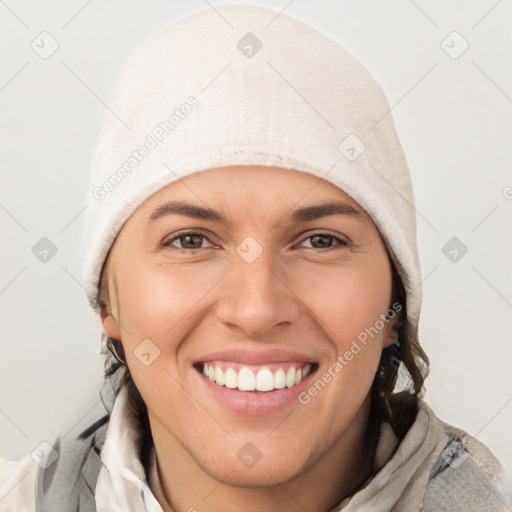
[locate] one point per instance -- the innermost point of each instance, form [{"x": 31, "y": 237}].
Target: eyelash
[{"x": 341, "y": 243}]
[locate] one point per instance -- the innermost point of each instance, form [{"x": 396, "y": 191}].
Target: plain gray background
[{"x": 453, "y": 117}]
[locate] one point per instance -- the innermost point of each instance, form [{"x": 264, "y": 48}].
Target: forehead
[{"x": 255, "y": 186}]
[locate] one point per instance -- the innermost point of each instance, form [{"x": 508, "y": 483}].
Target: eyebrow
[{"x": 305, "y": 214}]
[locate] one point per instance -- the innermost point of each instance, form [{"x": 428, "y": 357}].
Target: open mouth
[{"x": 263, "y": 378}]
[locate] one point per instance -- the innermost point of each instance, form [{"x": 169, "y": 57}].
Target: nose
[{"x": 258, "y": 296}]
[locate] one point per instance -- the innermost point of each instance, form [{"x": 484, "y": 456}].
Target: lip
[
  {"x": 257, "y": 358},
  {"x": 254, "y": 403}
]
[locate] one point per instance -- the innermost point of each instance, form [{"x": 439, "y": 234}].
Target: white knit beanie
[{"x": 245, "y": 85}]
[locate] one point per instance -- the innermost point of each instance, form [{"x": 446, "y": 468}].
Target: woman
[{"x": 251, "y": 252}]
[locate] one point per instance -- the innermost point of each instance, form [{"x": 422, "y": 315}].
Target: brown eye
[
  {"x": 321, "y": 240},
  {"x": 190, "y": 240}
]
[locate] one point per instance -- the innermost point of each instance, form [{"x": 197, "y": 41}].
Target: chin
[
  {"x": 250, "y": 468},
  {"x": 265, "y": 475}
]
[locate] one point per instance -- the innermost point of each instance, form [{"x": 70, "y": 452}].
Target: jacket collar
[{"x": 122, "y": 483}]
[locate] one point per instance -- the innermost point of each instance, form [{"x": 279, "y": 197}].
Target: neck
[{"x": 184, "y": 486}]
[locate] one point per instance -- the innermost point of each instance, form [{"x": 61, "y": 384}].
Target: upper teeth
[{"x": 245, "y": 379}]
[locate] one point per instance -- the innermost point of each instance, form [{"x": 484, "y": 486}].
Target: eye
[
  {"x": 322, "y": 240},
  {"x": 192, "y": 240},
  {"x": 188, "y": 240}
]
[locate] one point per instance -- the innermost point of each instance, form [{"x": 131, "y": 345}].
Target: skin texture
[{"x": 198, "y": 296}]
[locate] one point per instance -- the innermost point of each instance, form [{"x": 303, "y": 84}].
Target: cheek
[
  {"x": 159, "y": 307},
  {"x": 153, "y": 312},
  {"x": 349, "y": 314},
  {"x": 149, "y": 307},
  {"x": 153, "y": 301},
  {"x": 349, "y": 302}
]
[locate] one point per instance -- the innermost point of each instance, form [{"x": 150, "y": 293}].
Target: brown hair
[{"x": 407, "y": 358}]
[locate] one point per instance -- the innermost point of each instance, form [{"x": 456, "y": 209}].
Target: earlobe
[{"x": 110, "y": 327}]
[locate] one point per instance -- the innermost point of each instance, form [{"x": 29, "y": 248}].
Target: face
[{"x": 243, "y": 331}]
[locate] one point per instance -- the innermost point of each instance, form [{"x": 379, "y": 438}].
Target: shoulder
[
  {"x": 68, "y": 482},
  {"x": 17, "y": 482},
  {"x": 467, "y": 477},
  {"x": 59, "y": 476}
]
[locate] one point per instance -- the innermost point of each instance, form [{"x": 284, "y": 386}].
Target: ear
[
  {"x": 391, "y": 330},
  {"x": 109, "y": 325},
  {"x": 109, "y": 310}
]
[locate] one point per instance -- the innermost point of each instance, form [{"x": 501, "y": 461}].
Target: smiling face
[{"x": 249, "y": 308}]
